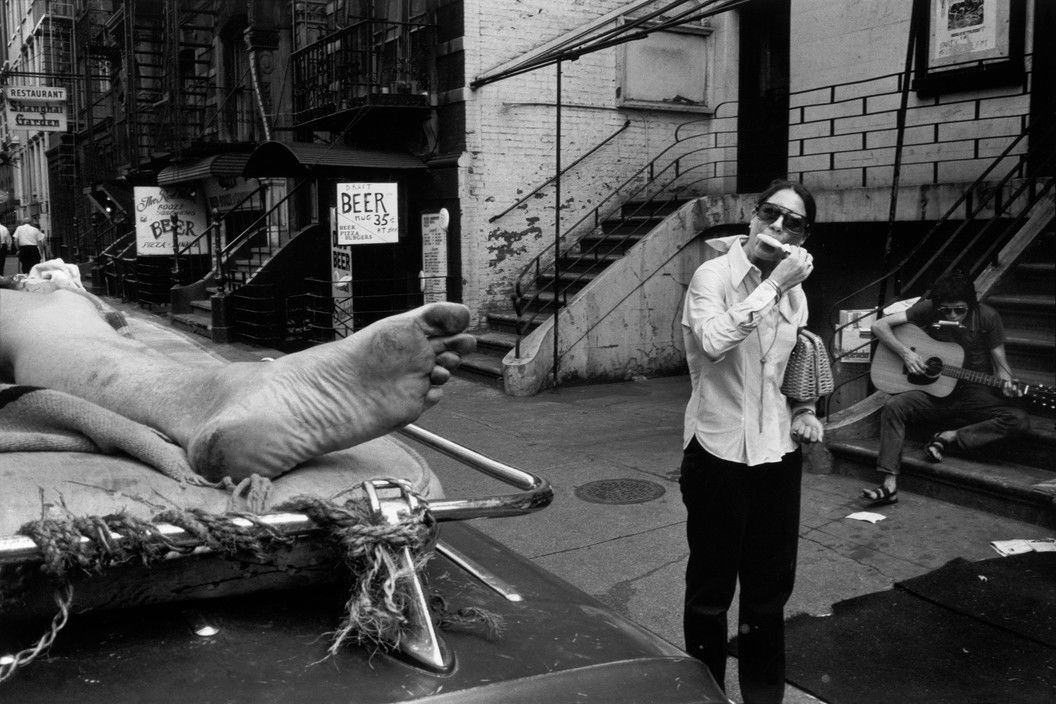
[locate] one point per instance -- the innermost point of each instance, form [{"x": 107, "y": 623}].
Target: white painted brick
[
  {"x": 969, "y": 170},
  {"x": 844, "y": 178},
  {"x": 940, "y": 113},
  {"x": 942, "y": 151},
  {"x": 832, "y": 144},
  {"x": 817, "y": 162},
  {"x": 864, "y": 157},
  {"x": 1001, "y": 107},
  {"x": 993, "y": 147},
  {"x": 908, "y": 175},
  {"x": 913, "y": 135},
  {"x": 993, "y": 127},
  {"x": 878, "y": 86},
  {"x": 806, "y": 130},
  {"x": 835, "y": 110}
]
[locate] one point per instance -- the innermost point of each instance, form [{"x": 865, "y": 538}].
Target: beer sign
[
  {"x": 35, "y": 108},
  {"x": 154, "y": 208},
  {"x": 367, "y": 213}
]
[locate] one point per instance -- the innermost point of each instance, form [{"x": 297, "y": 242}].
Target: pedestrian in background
[
  {"x": 741, "y": 465},
  {"x": 30, "y": 243},
  {"x": 5, "y": 239}
]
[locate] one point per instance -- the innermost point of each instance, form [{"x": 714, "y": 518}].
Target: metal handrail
[
  {"x": 535, "y": 494},
  {"x": 258, "y": 190},
  {"x": 547, "y": 182}
]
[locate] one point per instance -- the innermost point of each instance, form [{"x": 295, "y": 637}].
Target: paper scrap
[
  {"x": 867, "y": 516},
  {"x": 1019, "y": 546}
]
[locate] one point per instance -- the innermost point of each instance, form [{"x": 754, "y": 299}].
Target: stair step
[
  {"x": 495, "y": 340},
  {"x": 1008, "y": 489},
  {"x": 485, "y": 365},
  {"x": 195, "y": 322},
  {"x": 202, "y": 304},
  {"x": 1040, "y": 302}
]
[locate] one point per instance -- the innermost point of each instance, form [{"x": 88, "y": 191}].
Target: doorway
[{"x": 762, "y": 132}]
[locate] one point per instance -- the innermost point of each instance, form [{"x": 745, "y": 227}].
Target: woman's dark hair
[
  {"x": 955, "y": 286},
  {"x": 799, "y": 189}
]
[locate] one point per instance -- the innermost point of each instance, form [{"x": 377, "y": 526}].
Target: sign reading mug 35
[{"x": 367, "y": 213}]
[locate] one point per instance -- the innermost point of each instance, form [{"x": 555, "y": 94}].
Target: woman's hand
[
  {"x": 807, "y": 428},
  {"x": 793, "y": 269}
]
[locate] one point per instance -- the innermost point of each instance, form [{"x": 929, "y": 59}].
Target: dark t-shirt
[{"x": 980, "y": 332}]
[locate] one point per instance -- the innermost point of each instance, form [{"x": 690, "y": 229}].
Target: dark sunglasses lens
[
  {"x": 956, "y": 310},
  {"x": 768, "y": 212}
]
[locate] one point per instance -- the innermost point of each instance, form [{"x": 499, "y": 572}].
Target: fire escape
[{"x": 372, "y": 67}]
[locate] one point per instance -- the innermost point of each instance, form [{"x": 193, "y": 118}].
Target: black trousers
[
  {"x": 28, "y": 256},
  {"x": 742, "y": 525}
]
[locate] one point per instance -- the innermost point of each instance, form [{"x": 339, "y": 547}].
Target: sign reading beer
[
  {"x": 367, "y": 213},
  {"x": 154, "y": 226},
  {"x": 35, "y": 108}
]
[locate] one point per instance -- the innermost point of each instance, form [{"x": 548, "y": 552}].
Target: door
[{"x": 762, "y": 133}]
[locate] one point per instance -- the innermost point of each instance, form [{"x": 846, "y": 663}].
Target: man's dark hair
[
  {"x": 799, "y": 189},
  {"x": 955, "y": 286}
]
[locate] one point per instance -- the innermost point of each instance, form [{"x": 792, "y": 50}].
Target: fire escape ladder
[
  {"x": 180, "y": 112},
  {"x": 144, "y": 75}
]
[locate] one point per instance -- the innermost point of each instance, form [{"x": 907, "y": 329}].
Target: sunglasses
[
  {"x": 956, "y": 310},
  {"x": 793, "y": 223}
]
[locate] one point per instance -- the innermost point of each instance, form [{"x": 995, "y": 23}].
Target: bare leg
[{"x": 241, "y": 418}]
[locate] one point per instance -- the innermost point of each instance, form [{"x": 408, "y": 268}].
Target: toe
[
  {"x": 443, "y": 318},
  {"x": 439, "y": 376},
  {"x": 448, "y": 360}
]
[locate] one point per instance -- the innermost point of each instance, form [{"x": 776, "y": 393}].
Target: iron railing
[{"x": 369, "y": 62}]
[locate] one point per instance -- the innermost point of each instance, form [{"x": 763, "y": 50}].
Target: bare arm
[
  {"x": 1003, "y": 371},
  {"x": 883, "y": 330}
]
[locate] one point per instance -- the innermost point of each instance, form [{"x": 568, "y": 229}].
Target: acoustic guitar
[{"x": 942, "y": 362}]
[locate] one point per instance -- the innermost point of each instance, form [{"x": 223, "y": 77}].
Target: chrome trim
[
  {"x": 479, "y": 572},
  {"x": 536, "y": 493}
]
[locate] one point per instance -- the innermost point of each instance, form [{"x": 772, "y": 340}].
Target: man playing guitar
[{"x": 973, "y": 414}]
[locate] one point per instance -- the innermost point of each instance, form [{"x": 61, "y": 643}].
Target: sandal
[
  {"x": 880, "y": 496},
  {"x": 934, "y": 449}
]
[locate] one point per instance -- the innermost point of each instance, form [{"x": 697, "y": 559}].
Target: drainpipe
[
  {"x": 557, "y": 226},
  {"x": 248, "y": 36}
]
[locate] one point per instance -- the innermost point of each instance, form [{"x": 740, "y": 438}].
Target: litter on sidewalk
[
  {"x": 1019, "y": 545},
  {"x": 867, "y": 516}
]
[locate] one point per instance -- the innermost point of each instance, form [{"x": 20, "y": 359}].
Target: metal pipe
[{"x": 557, "y": 227}]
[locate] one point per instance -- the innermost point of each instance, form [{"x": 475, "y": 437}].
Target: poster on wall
[
  {"x": 967, "y": 30},
  {"x": 367, "y": 213},
  {"x": 154, "y": 208},
  {"x": 340, "y": 282},
  {"x": 434, "y": 256}
]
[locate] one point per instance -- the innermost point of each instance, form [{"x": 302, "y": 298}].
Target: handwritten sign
[
  {"x": 35, "y": 108},
  {"x": 367, "y": 213},
  {"x": 154, "y": 208}
]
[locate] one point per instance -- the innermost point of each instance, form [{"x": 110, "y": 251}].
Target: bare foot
[{"x": 267, "y": 418}]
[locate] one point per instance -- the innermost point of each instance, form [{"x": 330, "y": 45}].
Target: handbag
[{"x": 808, "y": 375}]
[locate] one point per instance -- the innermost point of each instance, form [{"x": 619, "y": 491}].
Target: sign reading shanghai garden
[
  {"x": 35, "y": 108},
  {"x": 367, "y": 213},
  {"x": 154, "y": 208}
]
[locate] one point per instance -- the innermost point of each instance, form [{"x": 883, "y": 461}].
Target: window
[{"x": 667, "y": 70}]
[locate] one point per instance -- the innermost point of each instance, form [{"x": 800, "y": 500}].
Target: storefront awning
[
  {"x": 278, "y": 159},
  {"x": 217, "y": 165}
]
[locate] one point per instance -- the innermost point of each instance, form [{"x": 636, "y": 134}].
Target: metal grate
[{"x": 619, "y": 491}]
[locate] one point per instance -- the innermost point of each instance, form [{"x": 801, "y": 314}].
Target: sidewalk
[{"x": 632, "y": 556}]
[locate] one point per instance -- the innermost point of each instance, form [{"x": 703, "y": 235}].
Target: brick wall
[
  {"x": 847, "y": 60},
  {"x": 510, "y": 138}
]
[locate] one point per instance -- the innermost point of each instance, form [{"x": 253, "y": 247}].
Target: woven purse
[{"x": 808, "y": 375}]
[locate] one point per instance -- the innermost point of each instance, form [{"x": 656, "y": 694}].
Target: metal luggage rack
[{"x": 391, "y": 500}]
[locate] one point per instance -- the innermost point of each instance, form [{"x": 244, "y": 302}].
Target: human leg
[
  {"x": 714, "y": 495},
  {"x": 27, "y": 257},
  {"x": 768, "y": 574},
  {"x": 241, "y": 418},
  {"x": 899, "y": 411},
  {"x": 988, "y": 417}
]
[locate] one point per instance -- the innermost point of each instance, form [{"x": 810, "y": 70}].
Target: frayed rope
[{"x": 369, "y": 546}]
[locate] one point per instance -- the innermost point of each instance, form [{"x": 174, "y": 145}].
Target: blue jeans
[
  {"x": 742, "y": 525},
  {"x": 980, "y": 415}
]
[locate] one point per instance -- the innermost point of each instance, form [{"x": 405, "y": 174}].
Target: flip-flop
[
  {"x": 880, "y": 496},
  {"x": 935, "y": 448}
]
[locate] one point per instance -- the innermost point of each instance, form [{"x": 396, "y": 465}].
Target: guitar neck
[{"x": 972, "y": 376}]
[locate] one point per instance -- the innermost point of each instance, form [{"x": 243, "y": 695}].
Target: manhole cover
[{"x": 620, "y": 491}]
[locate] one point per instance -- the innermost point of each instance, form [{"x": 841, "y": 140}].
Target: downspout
[{"x": 255, "y": 76}]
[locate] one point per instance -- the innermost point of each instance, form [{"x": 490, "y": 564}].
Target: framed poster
[
  {"x": 155, "y": 207},
  {"x": 965, "y": 45},
  {"x": 367, "y": 213}
]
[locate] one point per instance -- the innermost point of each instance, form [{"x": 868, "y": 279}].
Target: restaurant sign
[{"x": 35, "y": 108}]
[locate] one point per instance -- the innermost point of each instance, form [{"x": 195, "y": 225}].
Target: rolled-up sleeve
[{"x": 717, "y": 324}]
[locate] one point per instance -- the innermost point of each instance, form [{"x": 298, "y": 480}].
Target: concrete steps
[{"x": 989, "y": 482}]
